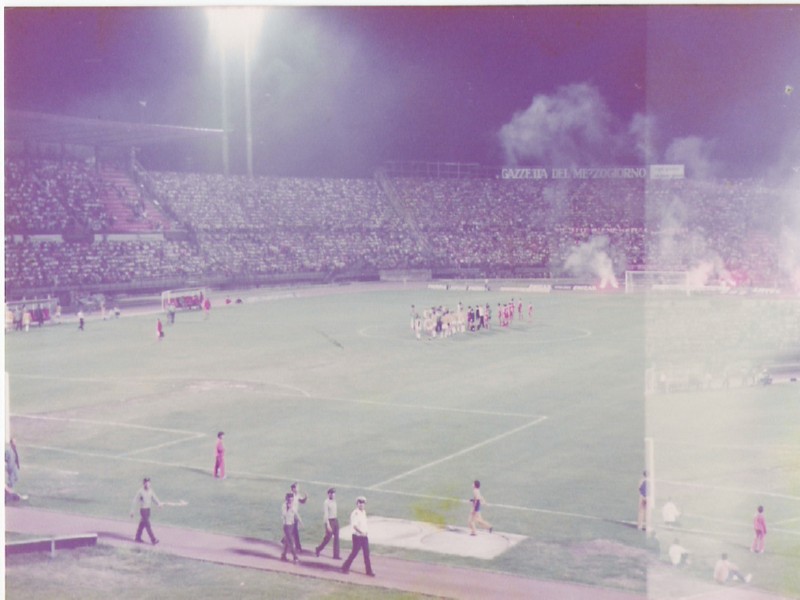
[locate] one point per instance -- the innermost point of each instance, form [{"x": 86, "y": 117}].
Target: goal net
[
  {"x": 22, "y": 314},
  {"x": 186, "y": 299},
  {"x": 657, "y": 281}
]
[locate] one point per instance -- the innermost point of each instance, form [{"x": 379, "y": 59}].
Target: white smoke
[
  {"x": 671, "y": 233},
  {"x": 680, "y": 242},
  {"x": 709, "y": 269},
  {"x": 643, "y": 129},
  {"x": 591, "y": 258},
  {"x": 573, "y": 127},
  {"x": 789, "y": 261},
  {"x": 789, "y": 258},
  {"x": 696, "y": 154}
]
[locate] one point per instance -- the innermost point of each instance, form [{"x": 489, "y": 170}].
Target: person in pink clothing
[
  {"x": 760, "y": 527},
  {"x": 219, "y": 463}
]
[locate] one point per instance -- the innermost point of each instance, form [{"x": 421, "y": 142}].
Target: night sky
[{"x": 338, "y": 91}]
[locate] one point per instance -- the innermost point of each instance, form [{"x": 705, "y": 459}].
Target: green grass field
[{"x": 333, "y": 389}]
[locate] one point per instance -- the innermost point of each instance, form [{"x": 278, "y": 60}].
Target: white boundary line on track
[{"x": 459, "y": 453}]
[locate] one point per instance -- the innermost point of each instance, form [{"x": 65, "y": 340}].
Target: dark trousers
[
  {"x": 144, "y": 523},
  {"x": 288, "y": 541},
  {"x": 360, "y": 542},
  {"x": 333, "y": 533},
  {"x": 296, "y": 535}
]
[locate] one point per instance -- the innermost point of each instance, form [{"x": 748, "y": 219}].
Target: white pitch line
[
  {"x": 116, "y": 457},
  {"x": 164, "y": 445},
  {"x": 108, "y": 424},
  {"x": 359, "y": 488},
  {"x": 466, "y": 411},
  {"x": 731, "y": 446},
  {"x": 394, "y": 405},
  {"x": 737, "y": 527},
  {"x": 709, "y": 594},
  {"x": 545, "y": 511},
  {"x": 70, "y": 379},
  {"x": 728, "y": 489},
  {"x": 786, "y": 521},
  {"x": 344, "y": 486},
  {"x": 30, "y": 467},
  {"x": 459, "y": 453}
]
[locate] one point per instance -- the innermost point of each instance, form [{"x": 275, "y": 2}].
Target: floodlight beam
[{"x": 236, "y": 27}]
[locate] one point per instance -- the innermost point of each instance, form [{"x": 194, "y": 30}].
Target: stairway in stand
[{"x": 129, "y": 208}]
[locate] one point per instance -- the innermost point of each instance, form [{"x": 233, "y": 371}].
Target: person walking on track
[{"x": 144, "y": 500}]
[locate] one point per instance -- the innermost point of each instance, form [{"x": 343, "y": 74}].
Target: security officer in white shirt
[
  {"x": 358, "y": 521},
  {"x": 331, "y": 524}
]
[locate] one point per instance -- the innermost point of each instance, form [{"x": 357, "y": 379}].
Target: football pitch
[{"x": 330, "y": 388}]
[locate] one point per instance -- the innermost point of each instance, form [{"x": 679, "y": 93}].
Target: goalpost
[
  {"x": 38, "y": 311},
  {"x": 657, "y": 281},
  {"x": 650, "y": 467},
  {"x": 184, "y": 299},
  {"x": 8, "y": 409}
]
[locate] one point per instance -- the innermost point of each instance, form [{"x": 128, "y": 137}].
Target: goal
[
  {"x": 185, "y": 299},
  {"x": 657, "y": 281},
  {"x": 22, "y": 314}
]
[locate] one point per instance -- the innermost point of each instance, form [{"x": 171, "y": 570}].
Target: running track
[{"x": 392, "y": 573}]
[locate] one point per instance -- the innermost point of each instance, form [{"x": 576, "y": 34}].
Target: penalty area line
[
  {"x": 164, "y": 445},
  {"x": 459, "y": 453},
  {"x": 734, "y": 490},
  {"x": 108, "y": 424},
  {"x": 544, "y": 511}
]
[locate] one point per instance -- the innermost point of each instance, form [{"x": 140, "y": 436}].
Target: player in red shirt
[{"x": 760, "y": 527}]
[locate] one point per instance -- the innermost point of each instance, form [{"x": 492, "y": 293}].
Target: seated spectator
[
  {"x": 725, "y": 571},
  {"x": 678, "y": 555}
]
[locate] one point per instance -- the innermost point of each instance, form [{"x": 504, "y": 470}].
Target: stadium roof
[{"x": 57, "y": 129}]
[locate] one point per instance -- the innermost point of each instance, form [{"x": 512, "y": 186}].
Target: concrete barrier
[{"x": 51, "y": 544}]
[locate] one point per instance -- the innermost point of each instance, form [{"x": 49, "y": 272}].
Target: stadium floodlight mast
[{"x": 236, "y": 27}]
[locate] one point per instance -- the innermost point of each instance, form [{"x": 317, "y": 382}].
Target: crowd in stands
[
  {"x": 48, "y": 264},
  {"x": 49, "y": 196},
  {"x": 253, "y": 227}
]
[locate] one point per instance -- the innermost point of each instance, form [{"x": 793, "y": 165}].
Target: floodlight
[{"x": 234, "y": 25}]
